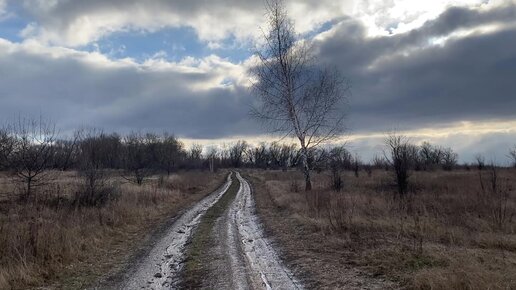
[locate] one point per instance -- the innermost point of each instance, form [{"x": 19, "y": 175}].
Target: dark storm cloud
[{"x": 406, "y": 81}]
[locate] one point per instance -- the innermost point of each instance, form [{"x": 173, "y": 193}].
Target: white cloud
[
  {"x": 3, "y": 10},
  {"x": 77, "y": 22},
  {"x": 193, "y": 97},
  {"x": 399, "y": 16},
  {"x": 214, "y": 68}
]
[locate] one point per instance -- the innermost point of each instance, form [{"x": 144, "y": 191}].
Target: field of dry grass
[
  {"x": 454, "y": 231},
  {"x": 50, "y": 241}
]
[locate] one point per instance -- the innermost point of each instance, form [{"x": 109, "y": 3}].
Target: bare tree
[
  {"x": 294, "y": 96},
  {"x": 449, "y": 159},
  {"x": 33, "y": 152},
  {"x": 92, "y": 169},
  {"x": 260, "y": 157},
  {"x": 512, "y": 156},
  {"x": 380, "y": 162},
  {"x": 400, "y": 154},
  {"x": 287, "y": 156},
  {"x": 339, "y": 159},
  {"x": 496, "y": 197},
  {"x": 212, "y": 155},
  {"x": 236, "y": 153},
  {"x": 480, "y": 161},
  {"x": 195, "y": 156},
  {"x": 430, "y": 156},
  {"x": 224, "y": 155},
  {"x": 195, "y": 152},
  {"x": 356, "y": 165},
  {"x": 170, "y": 152},
  {"x": 7, "y": 143},
  {"x": 112, "y": 149},
  {"x": 136, "y": 158},
  {"x": 318, "y": 159},
  {"x": 67, "y": 151}
]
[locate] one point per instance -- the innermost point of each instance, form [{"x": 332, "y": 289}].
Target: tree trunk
[
  {"x": 211, "y": 165},
  {"x": 308, "y": 181},
  {"x": 29, "y": 187},
  {"x": 306, "y": 169}
]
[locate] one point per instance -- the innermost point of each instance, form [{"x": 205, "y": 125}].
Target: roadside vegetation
[
  {"x": 54, "y": 242},
  {"x": 450, "y": 230},
  {"x": 73, "y": 209}
]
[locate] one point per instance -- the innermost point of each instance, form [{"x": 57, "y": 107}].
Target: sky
[{"x": 442, "y": 71}]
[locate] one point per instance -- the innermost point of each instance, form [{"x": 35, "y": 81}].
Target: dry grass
[
  {"x": 50, "y": 241},
  {"x": 452, "y": 232}
]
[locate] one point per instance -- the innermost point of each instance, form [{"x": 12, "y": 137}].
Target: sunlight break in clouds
[{"x": 400, "y": 16}]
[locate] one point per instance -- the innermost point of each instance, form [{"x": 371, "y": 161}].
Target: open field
[
  {"x": 50, "y": 241},
  {"x": 453, "y": 231},
  {"x": 246, "y": 145}
]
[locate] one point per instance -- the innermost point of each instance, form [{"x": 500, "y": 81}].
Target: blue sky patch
[
  {"x": 173, "y": 44},
  {"x": 13, "y": 24}
]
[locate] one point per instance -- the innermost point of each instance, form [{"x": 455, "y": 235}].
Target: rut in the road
[
  {"x": 262, "y": 258},
  {"x": 161, "y": 268},
  {"x": 226, "y": 242},
  {"x": 230, "y": 251}
]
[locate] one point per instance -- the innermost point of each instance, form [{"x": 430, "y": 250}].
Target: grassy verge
[
  {"x": 52, "y": 244},
  {"x": 449, "y": 233},
  {"x": 195, "y": 268}
]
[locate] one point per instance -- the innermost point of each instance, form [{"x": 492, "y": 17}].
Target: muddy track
[
  {"x": 266, "y": 268},
  {"x": 233, "y": 252},
  {"x": 161, "y": 268}
]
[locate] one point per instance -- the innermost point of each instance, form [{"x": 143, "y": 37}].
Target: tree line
[{"x": 32, "y": 149}]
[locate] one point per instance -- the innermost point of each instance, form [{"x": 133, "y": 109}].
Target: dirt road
[
  {"x": 265, "y": 267},
  {"x": 239, "y": 256},
  {"x": 161, "y": 268}
]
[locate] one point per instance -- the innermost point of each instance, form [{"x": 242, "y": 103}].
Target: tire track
[
  {"x": 161, "y": 268},
  {"x": 265, "y": 267}
]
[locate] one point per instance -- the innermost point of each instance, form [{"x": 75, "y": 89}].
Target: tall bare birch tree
[{"x": 294, "y": 95}]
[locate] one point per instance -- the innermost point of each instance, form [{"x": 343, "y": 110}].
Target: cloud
[
  {"x": 3, "y": 9},
  {"x": 406, "y": 80},
  {"x": 432, "y": 67},
  {"x": 492, "y": 139},
  {"x": 87, "y": 89},
  {"x": 400, "y": 16},
  {"x": 75, "y": 22}
]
